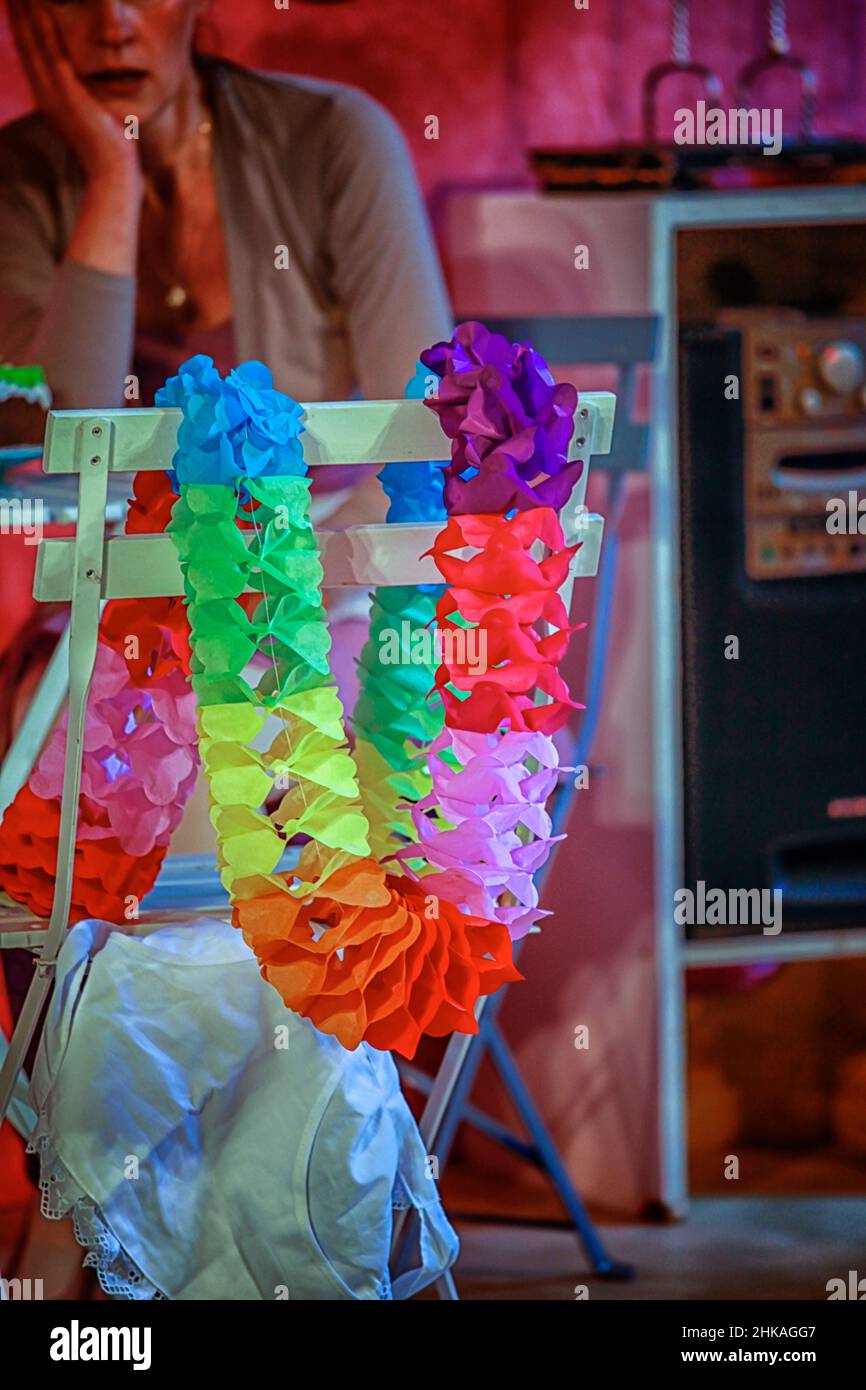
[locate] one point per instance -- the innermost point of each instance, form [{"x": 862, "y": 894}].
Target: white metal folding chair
[{"x": 92, "y": 567}]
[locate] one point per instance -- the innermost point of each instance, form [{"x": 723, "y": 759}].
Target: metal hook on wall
[
  {"x": 778, "y": 55},
  {"x": 680, "y": 62}
]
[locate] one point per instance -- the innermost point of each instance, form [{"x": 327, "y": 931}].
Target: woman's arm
[
  {"x": 72, "y": 319},
  {"x": 386, "y": 270}
]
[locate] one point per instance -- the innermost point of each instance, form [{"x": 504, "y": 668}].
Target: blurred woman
[{"x": 159, "y": 203}]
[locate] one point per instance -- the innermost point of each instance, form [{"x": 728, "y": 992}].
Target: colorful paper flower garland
[
  {"x": 421, "y": 846},
  {"x": 367, "y": 953},
  {"x": 396, "y": 718},
  {"x": 356, "y": 949},
  {"x": 496, "y": 763}
]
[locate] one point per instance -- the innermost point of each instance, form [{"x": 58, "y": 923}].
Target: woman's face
[{"x": 132, "y": 55}]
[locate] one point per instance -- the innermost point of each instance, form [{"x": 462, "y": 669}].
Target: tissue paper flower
[
  {"x": 106, "y": 879},
  {"x": 140, "y": 756},
  {"x": 377, "y": 958},
  {"x": 497, "y": 833},
  {"x": 235, "y": 429},
  {"x": 504, "y": 591},
  {"x": 509, "y": 423}
]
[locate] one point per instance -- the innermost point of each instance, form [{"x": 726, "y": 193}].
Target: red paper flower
[
  {"x": 104, "y": 878},
  {"x": 505, "y": 591},
  {"x": 150, "y": 506},
  {"x": 160, "y": 629}
]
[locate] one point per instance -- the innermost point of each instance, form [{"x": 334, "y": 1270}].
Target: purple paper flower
[{"x": 509, "y": 423}]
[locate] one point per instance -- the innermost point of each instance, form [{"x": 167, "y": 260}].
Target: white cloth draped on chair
[{"x": 208, "y": 1143}]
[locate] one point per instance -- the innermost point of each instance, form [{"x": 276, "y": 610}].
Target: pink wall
[{"x": 504, "y": 74}]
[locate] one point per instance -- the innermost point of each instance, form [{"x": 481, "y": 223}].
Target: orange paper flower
[{"x": 378, "y": 958}]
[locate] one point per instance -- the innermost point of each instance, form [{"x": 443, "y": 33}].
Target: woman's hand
[
  {"x": 105, "y": 236},
  {"x": 96, "y": 136}
]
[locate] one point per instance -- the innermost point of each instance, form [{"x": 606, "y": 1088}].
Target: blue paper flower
[
  {"x": 415, "y": 489},
  {"x": 232, "y": 429}
]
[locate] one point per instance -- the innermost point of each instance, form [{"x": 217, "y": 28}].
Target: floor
[{"x": 729, "y": 1248}]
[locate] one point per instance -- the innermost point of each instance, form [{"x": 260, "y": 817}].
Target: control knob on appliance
[
  {"x": 810, "y": 401},
  {"x": 841, "y": 366}
]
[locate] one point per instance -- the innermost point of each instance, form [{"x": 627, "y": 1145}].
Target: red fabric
[
  {"x": 16, "y": 1189},
  {"x": 162, "y": 631}
]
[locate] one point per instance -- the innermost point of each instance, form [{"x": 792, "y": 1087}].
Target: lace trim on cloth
[{"x": 118, "y": 1275}]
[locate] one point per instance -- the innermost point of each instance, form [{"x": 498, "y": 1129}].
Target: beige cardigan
[{"x": 316, "y": 167}]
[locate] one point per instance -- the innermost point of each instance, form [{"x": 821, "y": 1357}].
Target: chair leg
[
  {"x": 22, "y": 1035},
  {"x": 455, "y": 1109},
  {"x": 435, "y": 1109},
  {"x": 461, "y": 1048},
  {"x": 95, "y": 447},
  {"x": 43, "y": 978},
  {"x": 457, "y": 1052},
  {"x": 36, "y": 725},
  {"x": 446, "y": 1288},
  {"x": 519, "y": 1094},
  {"x": 20, "y": 1113}
]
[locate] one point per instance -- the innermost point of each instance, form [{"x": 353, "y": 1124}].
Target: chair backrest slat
[
  {"x": 148, "y": 566},
  {"x": 336, "y": 433}
]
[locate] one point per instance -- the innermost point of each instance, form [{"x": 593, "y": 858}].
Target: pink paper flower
[
  {"x": 140, "y": 755},
  {"x": 489, "y": 798}
]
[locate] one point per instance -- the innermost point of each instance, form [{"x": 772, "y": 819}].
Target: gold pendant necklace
[{"x": 176, "y": 295}]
